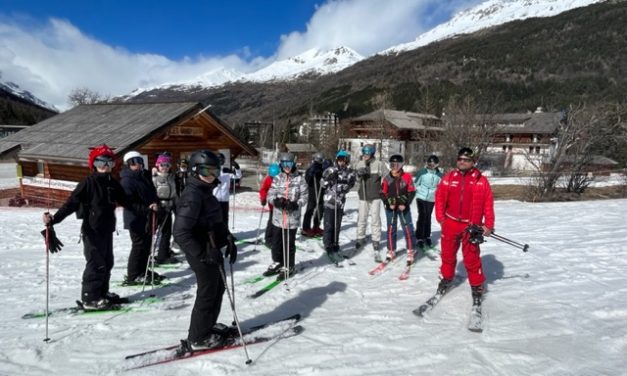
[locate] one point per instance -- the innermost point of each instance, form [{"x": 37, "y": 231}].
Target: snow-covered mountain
[
  {"x": 313, "y": 61},
  {"x": 487, "y": 14},
  {"x": 14, "y": 89}
]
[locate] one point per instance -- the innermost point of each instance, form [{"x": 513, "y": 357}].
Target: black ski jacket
[{"x": 139, "y": 189}]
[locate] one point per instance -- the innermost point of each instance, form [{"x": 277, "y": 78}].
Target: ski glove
[
  {"x": 263, "y": 202},
  {"x": 54, "y": 244},
  {"x": 213, "y": 256},
  {"x": 280, "y": 203},
  {"x": 402, "y": 200},
  {"x": 291, "y": 206},
  {"x": 231, "y": 249},
  {"x": 476, "y": 234}
]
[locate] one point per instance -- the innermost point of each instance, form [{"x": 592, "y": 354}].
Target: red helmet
[{"x": 99, "y": 151}]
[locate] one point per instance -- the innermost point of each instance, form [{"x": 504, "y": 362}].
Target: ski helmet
[
  {"x": 274, "y": 169},
  {"x": 221, "y": 158},
  {"x": 99, "y": 152},
  {"x": 342, "y": 154},
  {"x": 288, "y": 160},
  {"x": 368, "y": 149},
  {"x": 318, "y": 157},
  {"x": 205, "y": 163},
  {"x": 466, "y": 152},
  {"x": 163, "y": 159},
  {"x": 133, "y": 157},
  {"x": 433, "y": 159},
  {"x": 396, "y": 158}
]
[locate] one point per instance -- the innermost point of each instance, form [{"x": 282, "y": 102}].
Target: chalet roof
[
  {"x": 401, "y": 119},
  {"x": 301, "y": 148},
  {"x": 68, "y": 136},
  {"x": 536, "y": 123}
]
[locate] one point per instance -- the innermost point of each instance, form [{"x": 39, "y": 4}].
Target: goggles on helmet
[
  {"x": 396, "y": 165},
  {"x": 207, "y": 170},
  {"x": 136, "y": 161},
  {"x": 367, "y": 150},
  {"x": 288, "y": 164},
  {"x": 103, "y": 161},
  {"x": 164, "y": 164}
]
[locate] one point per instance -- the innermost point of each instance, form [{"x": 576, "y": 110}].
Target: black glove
[
  {"x": 213, "y": 256},
  {"x": 263, "y": 202},
  {"x": 235, "y": 165},
  {"x": 231, "y": 249},
  {"x": 280, "y": 203},
  {"x": 476, "y": 234},
  {"x": 291, "y": 206},
  {"x": 389, "y": 202},
  {"x": 54, "y": 244},
  {"x": 402, "y": 200}
]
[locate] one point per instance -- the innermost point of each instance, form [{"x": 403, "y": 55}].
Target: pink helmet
[{"x": 162, "y": 158}]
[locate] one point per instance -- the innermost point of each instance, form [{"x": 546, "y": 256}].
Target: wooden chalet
[
  {"x": 392, "y": 132},
  {"x": 53, "y": 154}
]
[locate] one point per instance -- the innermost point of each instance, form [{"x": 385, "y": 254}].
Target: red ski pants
[{"x": 453, "y": 233}]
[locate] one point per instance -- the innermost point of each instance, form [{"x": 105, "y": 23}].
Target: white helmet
[{"x": 132, "y": 154}]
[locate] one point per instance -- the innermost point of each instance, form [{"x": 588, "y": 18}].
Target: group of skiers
[{"x": 198, "y": 198}]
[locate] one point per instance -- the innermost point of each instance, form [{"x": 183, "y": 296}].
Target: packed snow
[{"x": 560, "y": 309}]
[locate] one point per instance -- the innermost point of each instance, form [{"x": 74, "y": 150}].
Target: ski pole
[
  {"x": 515, "y": 244},
  {"x": 151, "y": 260},
  {"x": 239, "y": 328},
  {"x": 259, "y": 228},
  {"x": 47, "y": 339},
  {"x": 408, "y": 239},
  {"x": 233, "y": 208}
]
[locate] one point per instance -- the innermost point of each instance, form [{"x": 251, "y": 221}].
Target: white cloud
[{"x": 52, "y": 59}]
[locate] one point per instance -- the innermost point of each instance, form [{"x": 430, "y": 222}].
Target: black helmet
[
  {"x": 318, "y": 157},
  {"x": 287, "y": 159},
  {"x": 466, "y": 152},
  {"x": 204, "y": 158},
  {"x": 396, "y": 158},
  {"x": 221, "y": 158},
  {"x": 433, "y": 159}
]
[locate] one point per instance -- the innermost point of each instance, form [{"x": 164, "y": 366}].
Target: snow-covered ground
[{"x": 560, "y": 309}]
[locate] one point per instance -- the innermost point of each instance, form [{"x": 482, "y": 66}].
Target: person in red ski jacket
[
  {"x": 273, "y": 170},
  {"x": 463, "y": 198},
  {"x": 397, "y": 193}
]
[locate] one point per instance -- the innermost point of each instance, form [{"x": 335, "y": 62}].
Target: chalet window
[
  {"x": 535, "y": 138},
  {"x": 530, "y": 149},
  {"x": 41, "y": 169},
  {"x": 504, "y": 148},
  {"x": 537, "y": 150},
  {"x": 508, "y": 138},
  {"x": 509, "y": 148}
]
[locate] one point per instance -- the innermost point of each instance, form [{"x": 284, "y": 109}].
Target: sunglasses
[
  {"x": 464, "y": 160},
  {"x": 206, "y": 170},
  {"x": 103, "y": 162}
]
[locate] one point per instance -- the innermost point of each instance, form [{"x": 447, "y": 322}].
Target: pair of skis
[
  {"x": 381, "y": 267},
  {"x": 475, "y": 318},
  {"x": 183, "y": 351}
]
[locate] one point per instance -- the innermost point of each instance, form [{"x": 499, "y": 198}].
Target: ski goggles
[
  {"x": 367, "y": 150},
  {"x": 396, "y": 165},
  {"x": 136, "y": 161},
  {"x": 463, "y": 159},
  {"x": 207, "y": 170},
  {"x": 102, "y": 162},
  {"x": 165, "y": 165},
  {"x": 288, "y": 164}
]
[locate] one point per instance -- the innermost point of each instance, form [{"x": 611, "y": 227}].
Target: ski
[
  {"x": 265, "y": 289},
  {"x": 475, "y": 319},
  {"x": 179, "y": 352},
  {"x": 428, "y": 305},
  {"x": 381, "y": 266},
  {"x": 405, "y": 274},
  {"x": 255, "y": 279}
]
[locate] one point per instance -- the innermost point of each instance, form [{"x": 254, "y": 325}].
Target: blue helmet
[
  {"x": 274, "y": 169},
  {"x": 342, "y": 154},
  {"x": 368, "y": 149}
]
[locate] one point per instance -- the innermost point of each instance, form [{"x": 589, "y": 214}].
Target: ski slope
[{"x": 560, "y": 309}]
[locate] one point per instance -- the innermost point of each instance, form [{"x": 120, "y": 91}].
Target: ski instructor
[
  {"x": 463, "y": 198},
  {"x": 200, "y": 231}
]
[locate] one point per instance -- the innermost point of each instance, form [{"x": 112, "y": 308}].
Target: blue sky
[{"x": 114, "y": 46}]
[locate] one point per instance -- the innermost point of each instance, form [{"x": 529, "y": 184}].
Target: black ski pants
[
  {"x": 311, "y": 210},
  {"x": 140, "y": 252},
  {"x": 332, "y": 225},
  {"x": 279, "y": 240},
  {"x": 423, "y": 226},
  {"x": 224, "y": 206},
  {"x": 98, "y": 251},
  {"x": 268, "y": 234},
  {"x": 208, "y": 302}
]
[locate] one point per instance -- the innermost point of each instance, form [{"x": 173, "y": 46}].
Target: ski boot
[
  {"x": 444, "y": 286},
  {"x": 273, "y": 269},
  {"x": 477, "y": 295}
]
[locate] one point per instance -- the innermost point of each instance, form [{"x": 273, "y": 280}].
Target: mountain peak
[
  {"x": 487, "y": 14},
  {"x": 26, "y": 95}
]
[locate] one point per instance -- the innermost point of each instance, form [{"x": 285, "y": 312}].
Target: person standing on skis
[
  {"x": 397, "y": 192},
  {"x": 94, "y": 200},
  {"x": 288, "y": 193},
  {"x": 201, "y": 233},
  {"x": 165, "y": 184},
  {"x": 464, "y": 198},
  {"x": 337, "y": 181},
  {"x": 273, "y": 170},
  {"x": 314, "y": 203},
  {"x": 135, "y": 180},
  {"x": 426, "y": 182},
  {"x": 370, "y": 171}
]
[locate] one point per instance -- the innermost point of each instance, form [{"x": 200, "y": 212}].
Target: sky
[{"x": 114, "y": 47}]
